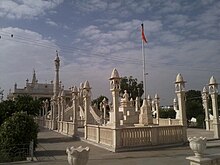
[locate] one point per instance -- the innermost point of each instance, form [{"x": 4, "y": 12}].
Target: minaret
[
  {"x": 55, "y": 92},
  {"x": 56, "y": 77},
  {"x": 180, "y": 92},
  {"x": 205, "y": 98},
  {"x": 213, "y": 90},
  {"x": 115, "y": 88}
]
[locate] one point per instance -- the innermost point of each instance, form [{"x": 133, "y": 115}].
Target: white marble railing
[
  {"x": 66, "y": 128},
  {"x": 135, "y": 136},
  {"x": 165, "y": 122},
  {"x": 48, "y": 124},
  {"x": 80, "y": 123}
]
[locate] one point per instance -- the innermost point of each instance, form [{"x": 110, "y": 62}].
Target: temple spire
[{"x": 34, "y": 79}]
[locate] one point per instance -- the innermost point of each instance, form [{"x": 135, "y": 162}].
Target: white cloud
[
  {"x": 23, "y": 52},
  {"x": 26, "y": 9},
  {"x": 50, "y": 22}
]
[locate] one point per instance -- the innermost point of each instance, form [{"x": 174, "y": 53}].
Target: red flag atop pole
[{"x": 142, "y": 33}]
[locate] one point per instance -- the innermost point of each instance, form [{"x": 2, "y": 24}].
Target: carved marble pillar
[
  {"x": 115, "y": 88},
  {"x": 213, "y": 90},
  {"x": 137, "y": 104},
  {"x": 87, "y": 104},
  {"x": 105, "y": 103},
  {"x": 205, "y": 98},
  {"x": 75, "y": 96},
  {"x": 175, "y": 107},
  {"x": 180, "y": 92},
  {"x": 157, "y": 105}
]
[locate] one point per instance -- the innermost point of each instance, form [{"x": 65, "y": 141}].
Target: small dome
[
  {"x": 179, "y": 78},
  {"x": 156, "y": 96},
  {"x": 81, "y": 85},
  {"x": 114, "y": 74},
  {"x": 75, "y": 90},
  {"x": 204, "y": 90},
  {"x": 86, "y": 85},
  {"x": 212, "y": 81}
]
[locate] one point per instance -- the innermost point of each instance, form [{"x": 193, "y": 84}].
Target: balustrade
[{"x": 136, "y": 136}]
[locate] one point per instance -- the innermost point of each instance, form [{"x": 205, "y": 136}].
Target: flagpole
[{"x": 144, "y": 71}]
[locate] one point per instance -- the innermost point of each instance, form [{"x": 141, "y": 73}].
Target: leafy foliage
[
  {"x": 99, "y": 100},
  {"x": 7, "y": 108},
  {"x": 21, "y": 104},
  {"x": 167, "y": 113},
  {"x": 27, "y": 104},
  {"x": 17, "y": 130},
  {"x": 132, "y": 86},
  {"x": 193, "y": 104}
]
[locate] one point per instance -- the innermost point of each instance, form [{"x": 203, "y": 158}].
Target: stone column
[
  {"x": 115, "y": 88},
  {"x": 75, "y": 96},
  {"x": 54, "y": 113},
  {"x": 55, "y": 91},
  {"x": 157, "y": 105},
  {"x": 180, "y": 92},
  {"x": 137, "y": 104},
  {"x": 63, "y": 103},
  {"x": 105, "y": 103},
  {"x": 175, "y": 107},
  {"x": 46, "y": 107},
  {"x": 213, "y": 90},
  {"x": 59, "y": 107},
  {"x": 87, "y": 103},
  {"x": 205, "y": 98}
]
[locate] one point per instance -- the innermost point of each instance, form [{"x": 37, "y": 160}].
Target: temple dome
[
  {"x": 86, "y": 84},
  {"x": 114, "y": 74},
  {"x": 212, "y": 81},
  {"x": 75, "y": 89},
  {"x": 156, "y": 96},
  {"x": 179, "y": 78},
  {"x": 204, "y": 90}
]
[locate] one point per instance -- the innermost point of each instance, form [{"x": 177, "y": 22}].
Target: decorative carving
[
  {"x": 198, "y": 145},
  {"x": 77, "y": 156}
]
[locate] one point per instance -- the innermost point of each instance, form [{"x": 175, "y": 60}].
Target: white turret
[{"x": 213, "y": 90}]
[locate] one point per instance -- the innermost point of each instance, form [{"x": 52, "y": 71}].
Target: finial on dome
[
  {"x": 114, "y": 74},
  {"x": 179, "y": 78},
  {"x": 212, "y": 81}
]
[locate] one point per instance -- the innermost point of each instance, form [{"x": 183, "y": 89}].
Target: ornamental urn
[{"x": 198, "y": 145}]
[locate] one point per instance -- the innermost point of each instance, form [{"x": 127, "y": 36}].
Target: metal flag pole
[
  {"x": 144, "y": 63},
  {"x": 144, "y": 71}
]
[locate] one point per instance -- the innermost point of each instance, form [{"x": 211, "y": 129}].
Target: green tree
[
  {"x": 27, "y": 104},
  {"x": 7, "y": 108},
  {"x": 21, "y": 104},
  {"x": 98, "y": 100},
  {"x": 193, "y": 104},
  {"x": 167, "y": 113},
  {"x": 133, "y": 87},
  {"x": 16, "y": 132}
]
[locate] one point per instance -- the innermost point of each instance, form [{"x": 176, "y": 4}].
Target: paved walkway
[{"x": 52, "y": 146}]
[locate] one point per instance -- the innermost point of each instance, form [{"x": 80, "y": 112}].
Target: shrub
[{"x": 16, "y": 132}]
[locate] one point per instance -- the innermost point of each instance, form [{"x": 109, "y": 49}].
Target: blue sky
[{"x": 95, "y": 36}]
